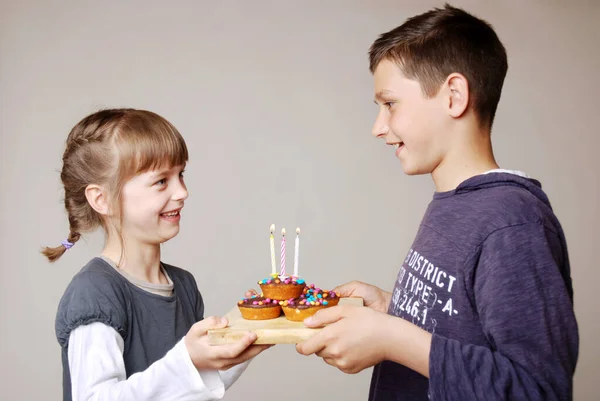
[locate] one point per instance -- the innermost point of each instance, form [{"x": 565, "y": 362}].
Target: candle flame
[
  {"x": 272, "y": 228},
  {"x": 298, "y": 230},
  {"x": 283, "y": 232}
]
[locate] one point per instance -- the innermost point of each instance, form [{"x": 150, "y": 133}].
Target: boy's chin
[{"x": 414, "y": 170}]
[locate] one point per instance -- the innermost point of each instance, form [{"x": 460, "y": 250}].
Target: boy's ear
[
  {"x": 457, "y": 94},
  {"x": 98, "y": 199}
]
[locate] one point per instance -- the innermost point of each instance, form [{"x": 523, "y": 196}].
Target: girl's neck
[{"x": 141, "y": 261}]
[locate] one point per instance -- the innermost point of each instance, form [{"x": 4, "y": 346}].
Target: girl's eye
[
  {"x": 389, "y": 104},
  {"x": 181, "y": 174},
  {"x": 161, "y": 182}
]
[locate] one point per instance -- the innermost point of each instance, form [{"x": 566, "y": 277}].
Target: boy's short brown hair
[{"x": 430, "y": 46}]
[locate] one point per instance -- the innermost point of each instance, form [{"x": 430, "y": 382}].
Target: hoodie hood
[{"x": 498, "y": 179}]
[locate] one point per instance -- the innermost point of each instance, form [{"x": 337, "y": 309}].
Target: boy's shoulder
[
  {"x": 504, "y": 199},
  {"x": 490, "y": 202}
]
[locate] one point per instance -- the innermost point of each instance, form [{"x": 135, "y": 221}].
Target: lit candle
[
  {"x": 296, "y": 250},
  {"x": 283, "y": 253},
  {"x": 272, "y": 240}
]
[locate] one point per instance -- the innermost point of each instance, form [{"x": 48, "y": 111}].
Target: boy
[{"x": 483, "y": 305}]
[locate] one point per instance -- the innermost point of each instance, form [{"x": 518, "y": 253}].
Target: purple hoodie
[{"x": 488, "y": 275}]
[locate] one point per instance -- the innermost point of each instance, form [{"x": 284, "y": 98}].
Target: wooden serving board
[{"x": 273, "y": 331}]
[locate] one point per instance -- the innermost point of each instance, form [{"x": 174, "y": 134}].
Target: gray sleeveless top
[{"x": 149, "y": 324}]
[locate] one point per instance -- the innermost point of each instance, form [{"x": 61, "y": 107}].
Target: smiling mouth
[
  {"x": 397, "y": 144},
  {"x": 173, "y": 213}
]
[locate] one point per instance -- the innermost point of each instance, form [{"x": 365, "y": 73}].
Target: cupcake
[
  {"x": 259, "y": 308},
  {"x": 282, "y": 288},
  {"x": 308, "y": 303}
]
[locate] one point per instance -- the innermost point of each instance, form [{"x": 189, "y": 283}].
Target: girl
[{"x": 123, "y": 319}]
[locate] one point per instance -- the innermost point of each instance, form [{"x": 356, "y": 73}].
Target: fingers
[
  {"x": 347, "y": 290},
  {"x": 233, "y": 350},
  {"x": 330, "y": 361},
  {"x": 251, "y": 292},
  {"x": 213, "y": 322},
  {"x": 248, "y": 354},
  {"x": 311, "y": 346},
  {"x": 326, "y": 316}
]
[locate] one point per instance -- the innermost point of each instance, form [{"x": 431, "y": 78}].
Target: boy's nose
[
  {"x": 380, "y": 127},
  {"x": 380, "y": 130}
]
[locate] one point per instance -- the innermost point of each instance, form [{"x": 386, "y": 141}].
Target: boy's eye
[
  {"x": 389, "y": 104},
  {"x": 161, "y": 182}
]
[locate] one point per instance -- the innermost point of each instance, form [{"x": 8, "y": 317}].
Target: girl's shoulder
[
  {"x": 96, "y": 294},
  {"x": 178, "y": 273}
]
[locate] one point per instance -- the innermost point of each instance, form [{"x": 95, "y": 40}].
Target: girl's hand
[
  {"x": 218, "y": 357},
  {"x": 250, "y": 293}
]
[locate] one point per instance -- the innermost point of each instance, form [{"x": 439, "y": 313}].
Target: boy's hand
[
  {"x": 251, "y": 292},
  {"x": 374, "y": 297},
  {"x": 353, "y": 339},
  {"x": 218, "y": 357}
]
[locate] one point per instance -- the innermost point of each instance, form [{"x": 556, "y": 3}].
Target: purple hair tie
[{"x": 67, "y": 244}]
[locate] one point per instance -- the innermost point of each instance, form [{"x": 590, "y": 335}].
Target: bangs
[{"x": 146, "y": 141}]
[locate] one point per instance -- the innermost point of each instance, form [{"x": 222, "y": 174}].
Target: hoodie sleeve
[{"x": 527, "y": 316}]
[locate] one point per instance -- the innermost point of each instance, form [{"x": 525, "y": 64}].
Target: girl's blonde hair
[{"x": 108, "y": 148}]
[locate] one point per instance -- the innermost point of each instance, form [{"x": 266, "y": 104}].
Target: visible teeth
[
  {"x": 171, "y": 214},
  {"x": 396, "y": 145}
]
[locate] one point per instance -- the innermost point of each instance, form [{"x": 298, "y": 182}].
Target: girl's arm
[{"x": 97, "y": 371}]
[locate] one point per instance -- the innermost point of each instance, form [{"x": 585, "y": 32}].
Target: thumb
[
  {"x": 250, "y": 293},
  {"x": 325, "y": 316},
  {"x": 213, "y": 322}
]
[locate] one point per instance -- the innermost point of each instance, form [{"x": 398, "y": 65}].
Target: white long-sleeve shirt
[{"x": 97, "y": 371}]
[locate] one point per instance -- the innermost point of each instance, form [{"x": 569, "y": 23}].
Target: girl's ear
[{"x": 97, "y": 197}]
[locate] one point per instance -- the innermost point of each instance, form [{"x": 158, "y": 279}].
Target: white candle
[
  {"x": 282, "y": 274},
  {"x": 296, "y": 250},
  {"x": 273, "y": 265}
]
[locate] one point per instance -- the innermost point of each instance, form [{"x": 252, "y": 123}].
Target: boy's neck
[
  {"x": 470, "y": 155},
  {"x": 141, "y": 261}
]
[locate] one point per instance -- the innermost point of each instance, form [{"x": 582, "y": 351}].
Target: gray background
[{"x": 275, "y": 102}]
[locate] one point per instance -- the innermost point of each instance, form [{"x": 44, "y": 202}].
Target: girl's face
[{"x": 151, "y": 205}]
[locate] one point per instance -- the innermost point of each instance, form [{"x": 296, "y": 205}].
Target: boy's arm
[
  {"x": 527, "y": 317},
  {"x": 526, "y": 314}
]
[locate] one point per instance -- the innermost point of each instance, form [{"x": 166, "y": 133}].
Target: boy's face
[{"x": 409, "y": 121}]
